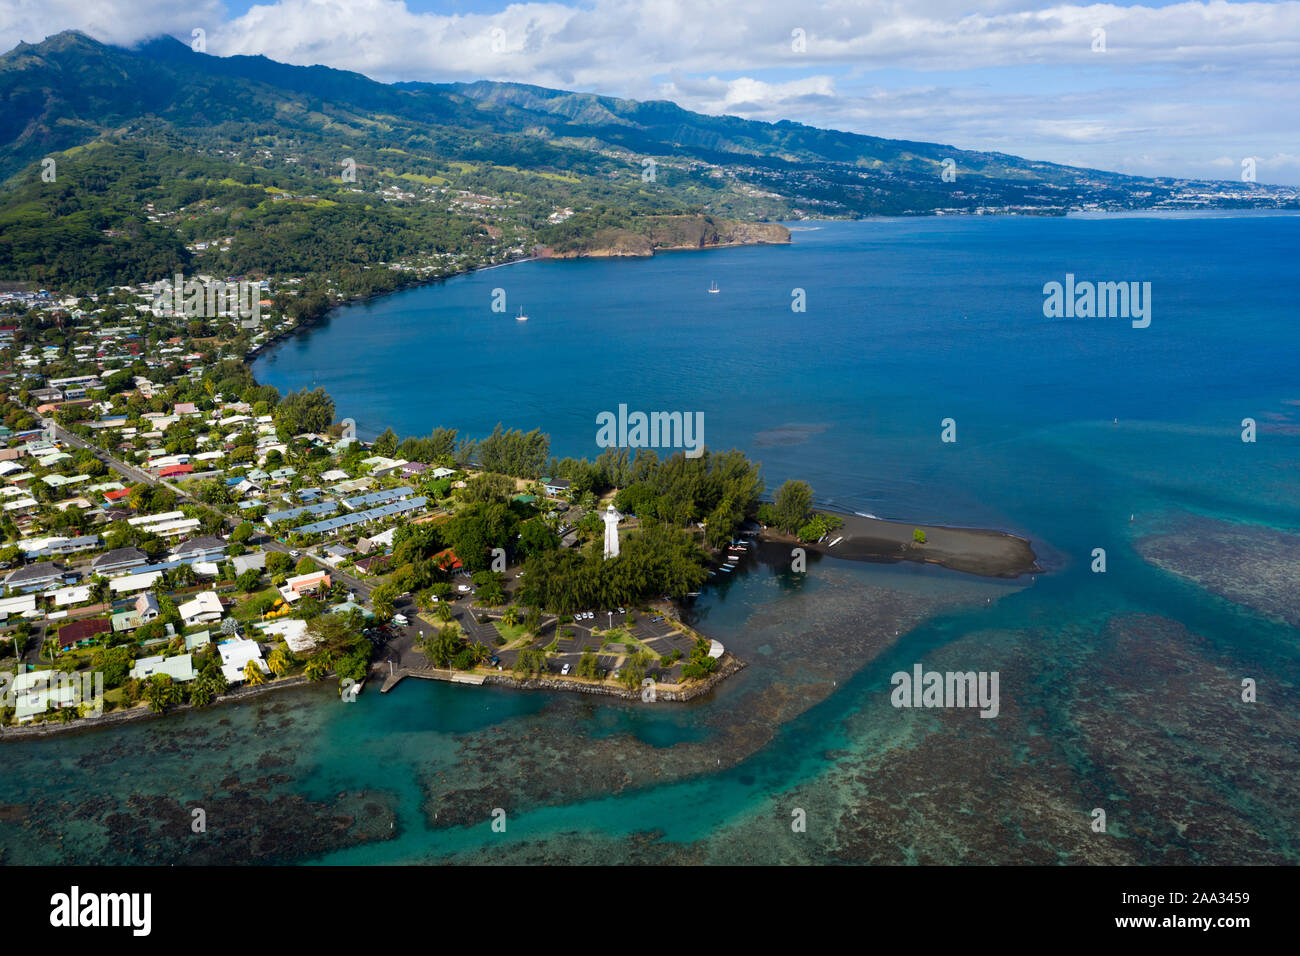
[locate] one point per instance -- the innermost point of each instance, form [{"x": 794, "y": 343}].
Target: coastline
[
  {"x": 47, "y": 728},
  {"x": 543, "y": 254},
  {"x": 983, "y": 552},
  {"x": 285, "y": 335},
  {"x": 977, "y": 551}
]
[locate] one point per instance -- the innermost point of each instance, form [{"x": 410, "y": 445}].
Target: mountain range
[{"x": 256, "y": 166}]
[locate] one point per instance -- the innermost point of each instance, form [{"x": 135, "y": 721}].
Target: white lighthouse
[{"x": 612, "y": 518}]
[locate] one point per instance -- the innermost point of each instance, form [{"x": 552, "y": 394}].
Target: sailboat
[
  {"x": 521, "y": 317},
  {"x": 713, "y": 289}
]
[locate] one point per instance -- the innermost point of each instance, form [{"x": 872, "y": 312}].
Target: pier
[{"x": 429, "y": 673}]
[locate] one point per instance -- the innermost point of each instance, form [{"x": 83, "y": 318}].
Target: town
[{"x": 193, "y": 536}]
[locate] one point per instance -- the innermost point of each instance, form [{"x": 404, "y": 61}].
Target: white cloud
[
  {"x": 1191, "y": 79},
  {"x": 113, "y": 21}
]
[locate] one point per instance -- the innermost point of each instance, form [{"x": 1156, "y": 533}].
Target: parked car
[
  {"x": 564, "y": 670},
  {"x": 400, "y": 619}
]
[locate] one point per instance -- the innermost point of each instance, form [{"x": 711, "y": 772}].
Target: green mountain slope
[{"x": 164, "y": 158}]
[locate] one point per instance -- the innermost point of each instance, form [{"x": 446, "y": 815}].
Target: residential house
[
  {"x": 377, "y": 542},
  {"x": 179, "y": 668},
  {"x": 235, "y": 656},
  {"x": 83, "y": 631},
  {"x": 144, "y": 611},
  {"x": 248, "y": 562},
  {"x": 34, "y": 577},
  {"x": 198, "y": 549},
  {"x": 204, "y": 608},
  {"x": 307, "y": 583},
  {"x": 118, "y": 561}
]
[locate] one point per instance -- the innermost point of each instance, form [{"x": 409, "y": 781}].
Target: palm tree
[
  {"x": 202, "y": 692},
  {"x": 100, "y": 589},
  {"x": 183, "y": 575},
  {"x": 278, "y": 661},
  {"x": 317, "y": 667},
  {"x": 511, "y": 617},
  {"x": 159, "y": 692},
  {"x": 445, "y": 613},
  {"x": 253, "y": 674}
]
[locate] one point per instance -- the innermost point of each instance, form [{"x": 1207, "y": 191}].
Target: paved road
[{"x": 129, "y": 471}]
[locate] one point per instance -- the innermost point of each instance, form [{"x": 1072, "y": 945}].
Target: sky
[{"x": 1157, "y": 88}]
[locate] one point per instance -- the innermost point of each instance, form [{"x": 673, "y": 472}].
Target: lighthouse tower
[{"x": 612, "y": 518}]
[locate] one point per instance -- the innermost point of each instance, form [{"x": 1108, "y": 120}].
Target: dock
[{"x": 429, "y": 673}]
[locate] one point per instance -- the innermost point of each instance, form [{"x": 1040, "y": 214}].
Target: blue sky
[{"x": 1155, "y": 88}]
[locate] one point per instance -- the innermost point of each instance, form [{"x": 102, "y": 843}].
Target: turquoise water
[{"x": 1119, "y": 691}]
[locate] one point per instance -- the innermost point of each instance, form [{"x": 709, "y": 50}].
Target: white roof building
[
  {"x": 294, "y": 632},
  {"x": 204, "y": 608},
  {"x": 235, "y": 655},
  {"x": 134, "y": 582}
]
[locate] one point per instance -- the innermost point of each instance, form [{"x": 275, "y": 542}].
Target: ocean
[{"x": 1122, "y": 733}]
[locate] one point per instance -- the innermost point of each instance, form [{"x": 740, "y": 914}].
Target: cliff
[{"x": 652, "y": 233}]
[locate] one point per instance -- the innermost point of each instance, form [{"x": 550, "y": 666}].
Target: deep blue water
[
  {"x": 1120, "y": 690},
  {"x": 908, "y": 322}
]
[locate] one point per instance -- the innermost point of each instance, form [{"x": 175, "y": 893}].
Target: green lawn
[
  {"x": 244, "y": 610},
  {"x": 510, "y": 632}
]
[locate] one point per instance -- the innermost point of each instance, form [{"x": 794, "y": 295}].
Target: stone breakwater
[
  {"x": 728, "y": 665},
  {"x": 117, "y": 717}
]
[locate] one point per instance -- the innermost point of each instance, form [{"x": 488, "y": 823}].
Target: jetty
[{"x": 429, "y": 673}]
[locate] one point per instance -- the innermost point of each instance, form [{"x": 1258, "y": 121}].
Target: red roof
[
  {"x": 447, "y": 560},
  {"x": 80, "y": 630},
  {"x": 373, "y": 564},
  {"x": 117, "y": 495},
  {"x": 175, "y": 470}
]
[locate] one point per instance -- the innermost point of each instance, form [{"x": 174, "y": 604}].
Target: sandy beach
[{"x": 994, "y": 554}]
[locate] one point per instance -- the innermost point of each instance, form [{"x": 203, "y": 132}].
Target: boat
[
  {"x": 521, "y": 317},
  {"x": 713, "y": 289}
]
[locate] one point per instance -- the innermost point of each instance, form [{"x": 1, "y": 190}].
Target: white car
[
  {"x": 463, "y": 588},
  {"x": 564, "y": 670},
  {"x": 400, "y": 619}
]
